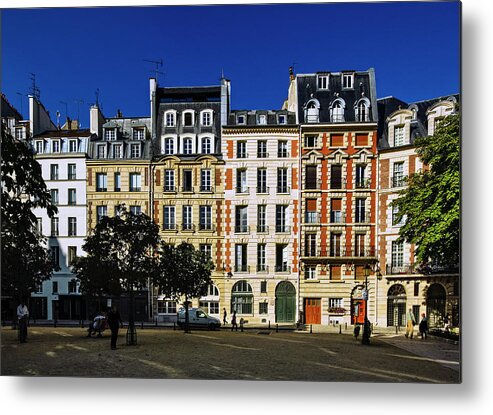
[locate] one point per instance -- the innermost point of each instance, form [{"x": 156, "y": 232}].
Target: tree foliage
[
  {"x": 431, "y": 202},
  {"x": 120, "y": 255},
  {"x": 26, "y": 262}
]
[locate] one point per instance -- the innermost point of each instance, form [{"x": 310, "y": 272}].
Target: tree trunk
[{"x": 187, "y": 327}]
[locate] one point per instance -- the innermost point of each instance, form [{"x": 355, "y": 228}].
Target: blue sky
[{"x": 414, "y": 48}]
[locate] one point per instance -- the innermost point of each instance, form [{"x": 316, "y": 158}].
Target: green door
[{"x": 285, "y": 302}]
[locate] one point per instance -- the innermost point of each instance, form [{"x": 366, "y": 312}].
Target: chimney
[
  {"x": 291, "y": 73},
  {"x": 96, "y": 120},
  {"x": 119, "y": 114}
]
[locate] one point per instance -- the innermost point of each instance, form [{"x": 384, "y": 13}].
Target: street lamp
[{"x": 366, "y": 326}]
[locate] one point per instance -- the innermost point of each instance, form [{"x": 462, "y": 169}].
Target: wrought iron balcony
[
  {"x": 283, "y": 268},
  {"x": 262, "y": 189},
  {"x": 366, "y": 252},
  {"x": 244, "y": 190},
  {"x": 169, "y": 227},
  {"x": 313, "y": 184},
  {"x": 401, "y": 269},
  {"x": 204, "y": 188},
  {"x": 363, "y": 183},
  {"x": 242, "y": 229},
  {"x": 283, "y": 229},
  {"x": 242, "y": 268},
  {"x": 312, "y": 217},
  {"x": 262, "y": 268},
  {"x": 207, "y": 227},
  {"x": 337, "y": 216},
  {"x": 262, "y": 154},
  {"x": 262, "y": 229},
  {"x": 337, "y": 184},
  {"x": 187, "y": 227},
  {"x": 169, "y": 188},
  {"x": 283, "y": 189},
  {"x": 187, "y": 189}
]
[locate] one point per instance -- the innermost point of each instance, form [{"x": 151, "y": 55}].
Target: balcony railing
[
  {"x": 313, "y": 185},
  {"x": 262, "y": 268},
  {"x": 207, "y": 227},
  {"x": 401, "y": 269},
  {"x": 187, "y": 227},
  {"x": 283, "y": 229},
  {"x": 242, "y": 229},
  {"x": 262, "y": 154},
  {"x": 283, "y": 268},
  {"x": 244, "y": 190},
  {"x": 204, "y": 188},
  {"x": 188, "y": 189},
  {"x": 362, "y": 183},
  {"x": 169, "y": 227},
  {"x": 366, "y": 252},
  {"x": 242, "y": 268},
  {"x": 337, "y": 184},
  {"x": 242, "y": 155},
  {"x": 262, "y": 189},
  {"x": 398, "y": 181},
  {"x": 283, "y": 189},
  {"x": 169, "y": 188},
  {"x": 262, "y": 229},
  {"x": 337, "y": 216},
  {"x": 134, "y": 189},
  {"x": 312, "y": 217},
  {"x": 283, "y": 154}
]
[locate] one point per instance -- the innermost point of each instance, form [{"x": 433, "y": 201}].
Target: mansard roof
[
  {"x": 252, "y": 117},
  {"x": 64, "y": 133}
]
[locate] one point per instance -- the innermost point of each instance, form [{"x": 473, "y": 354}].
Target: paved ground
[{"x": 251, "y": 355}]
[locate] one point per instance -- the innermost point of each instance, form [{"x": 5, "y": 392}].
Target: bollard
[
  {"x": 142, "y": 325},
  {"x": 340, "y": 329},
  {"x": 311, "y": 329},
  {"x": 345, "y": 326},
  {"x": 396, "y": 330},
  {"x": 174, "y": 326},
  {"x": 277, "y": 328},
  {"x": 156, "y": 321},
  {"x": 269, "y": 324},
  {"x": 54, "y": 323}
]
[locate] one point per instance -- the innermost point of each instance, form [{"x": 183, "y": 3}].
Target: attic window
[
  {"x": 188, "y": 119},
  {"x": 138, "y": 133},
  {"x": 55, "y": 146},
  {"x": 39, "y": 146},
  {"x": 282, "y": 119},
  {"x": 240, "y": 119},
  {"x": 20, "y": 133},
  {"x": 347, "y": 80},
  {"x": 110, "y": 134},
  {"x": 262, "y": 119},
  {"x": 323, "y": 82}
]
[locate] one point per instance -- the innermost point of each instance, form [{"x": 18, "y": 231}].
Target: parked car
[{"x": 197, "y": 318}]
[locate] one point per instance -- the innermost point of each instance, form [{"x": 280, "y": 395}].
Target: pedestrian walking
[
  {"x": 114, "y": 321},
  {"x": 225, "y": 314},
  {"x": 423, "y": 327},
  {"x": 234, "y": 324},
  {"x": 411, "y": 321},
  {"x": 22, "y": 316}
]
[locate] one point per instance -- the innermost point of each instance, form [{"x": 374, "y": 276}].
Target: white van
[{"x": 197, "y": 318}]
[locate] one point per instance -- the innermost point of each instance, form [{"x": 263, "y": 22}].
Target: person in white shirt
[{"x": 23, "y": 316}]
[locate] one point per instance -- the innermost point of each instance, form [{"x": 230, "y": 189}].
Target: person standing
[
  {"x": 423, "y": 327},
  {"x": 234, "y": 324},
  {"x": 411, "y": 321},
  {"x": 114, "y": 321},
  {"x": 22, "y": 316},
  {"x": 225, "y": 314}
]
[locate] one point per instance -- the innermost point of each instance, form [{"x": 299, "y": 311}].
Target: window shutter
[
  {"x": 361, "y": 139},
  {"x": 311, "y": 205},
  {"x": 360, "y": 272},
  {"x": 145, "y": 176},
  {"x": 336, "y": 140},
  {"x": 335, "y": 272},
  {"x": 335, "y": 204},
  {"x": 158, "y": 177}
]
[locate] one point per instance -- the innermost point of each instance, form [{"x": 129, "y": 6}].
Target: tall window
[
  {"x": 187, "y": 145},
  {"x": 169, "y": 146},
  {"x": 188, "y": 119},
  {"x": 39, "y": 225},
  {"x": 206, "y": 249},
  {"x": 39, "y": 146},
  {"x": 261, "y": 218},
  {"x": 241, "y": 263},
  {"x": 360, "y": 216},
  {"x": 360, "y": 176},
  {"x": 311, "y": 244},
  {"x": 206, "y": 145},
  {"x": 170, "y": 119},
  {"x": 55, "y": 146},
  {"x": 135, "y": 151},
  {"x": 55, "y": 259},
  {"x": 169, "y": 218},
  {"x": 395, "y": 220},
  {"x": 310, "y": 273},
  {"x": 138, "y": 133},
  {"x": 311, "y": 112},
  {"x": 53, "y": 171},
  {"x": 262, "y": 149},
  {"x": 282, "y": 180},
  {"x": 282, "y": 149},
  {"x": 187, "y": 218},
  {"x": 363, "y": 112},
  {"x": 135, "y": 209},
  {"x": 241, "y": 152},
  {"x": 336, "y": 210},
  {"x": 311, "y": 211},
  {"x": 54, "y": 226},
  {"x": 110, "y": 134},
  {"x": 337, "y": 111},
  {"x": 347, "y": 80},
  {"x": 282, "y": 258},
  {"x": 72, "y": 146},
  {"x": 205, "y": 180},
  {"x": 101, "y": 182},
  {"x": 206, "y": 119},
  {"x": 72, "y": 226},
  {"x": 242, "y": 298},
  {"x": 72, "y": 255},
  {"x": 335, "y": 244},
  {"x": 101, "y": 151},
  {"x": 187, "y": 181},
  {"x": 101, "y": 212},
  {"x": 397, "y": 254},
  {"x": 336, "y": 176},
  {"x": 398, "y": 136},
  {"x": 54, "y": 196},
  {"x": 241, "y": 181},
  {"x": 262, "y": 119},
  {"x": 359, "y": 244},
  {"x": 71, "y": 171},
  {"x": 281, "y": 213},
  {"x": 135, "y": 182},
  {"x": 72, "y": 196},
  {"x": 261, "y": 267},
  {"x": 241, "y": 219},
  {"x": 310, "y": 140},
  {"x": 323, "y": 81},
  {"x": 169, "y": 180},
  {"x": 118, "y": 182},
  {"x": 311, "y": 181},
  {"x": 117, "y": 151},
  {"x": 205, "y": 217},
  {"x": 398, "y": 175},
  {"x": 72, "y": 286},
  {"x": 262, "y": 180}
]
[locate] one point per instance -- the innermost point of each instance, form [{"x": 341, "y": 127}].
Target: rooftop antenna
[
  {"x": 158, "y": 64},
  {"x": 20, "y": 99},
  {"x": 58, "y": 119},
  {"x": 66, "y": 108},
  {"x": 34, "y": 89},
  {"x": 78, "y": 102}
]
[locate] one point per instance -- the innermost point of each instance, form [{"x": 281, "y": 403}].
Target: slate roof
[
  {"x": 252, "y": 117},
  {"x": 64, "y": 133}
]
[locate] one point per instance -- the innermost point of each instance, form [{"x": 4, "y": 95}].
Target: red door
[
  {"x": 313, "y": 311},
  {"x": 358, "y": 312}
]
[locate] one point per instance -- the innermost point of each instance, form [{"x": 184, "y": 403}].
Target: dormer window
[
  {"x": 169, "y": 145},
  {"x": 138, "y": 133},
  {"x": 110, "y": 134},
  {"x": 187, "y": 146},
  {"x": 206, "y": 145},
  {"x": 188, "y": 120},
  {"x": 72, "y": 146},
  {"x": 39, "y": 145},
  {"x": 135, "y": 151},
  {"x": 241, "y": 120},
  {"x": 262, "y": 119},
  {"x": 362, "y": 111},
  {"x": 55, "y": 146},
  {"x": 398, "y": 136},
  {"x": 337, "y": 111},
  {"x": 311, "y": 111},
  {"x": 170, "y": 119},
  {"x": 206, "y": 118},
  {"x": 101, "y": 151},
  {"x": 282, "y": 119},
  {"x": 323, "y": 81},
  {"x": 117, "y": 151},
  {"x": 347, "y": 80},
  {"x": 20, "y": 133}
]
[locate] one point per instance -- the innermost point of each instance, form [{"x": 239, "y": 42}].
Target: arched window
[
  {"x": 396, "y": 305},
  {"x": 210, "y": 302},
  {"x": 187, "y": 145},
  {"x": 363, "y": 110},
  {"x": 312, "y": 110},
  {"x": 337, "y": 111},
  {"x": 206, "y": 145},
  {"x": 242, "y": 298}
]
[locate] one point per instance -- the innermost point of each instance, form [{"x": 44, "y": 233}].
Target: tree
[
  {"x": 430, "y": 204},
  {"x": 26, "y": 262},
  {"x": 120, "y": 258},
  {"x": 185, "y": 273}
]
